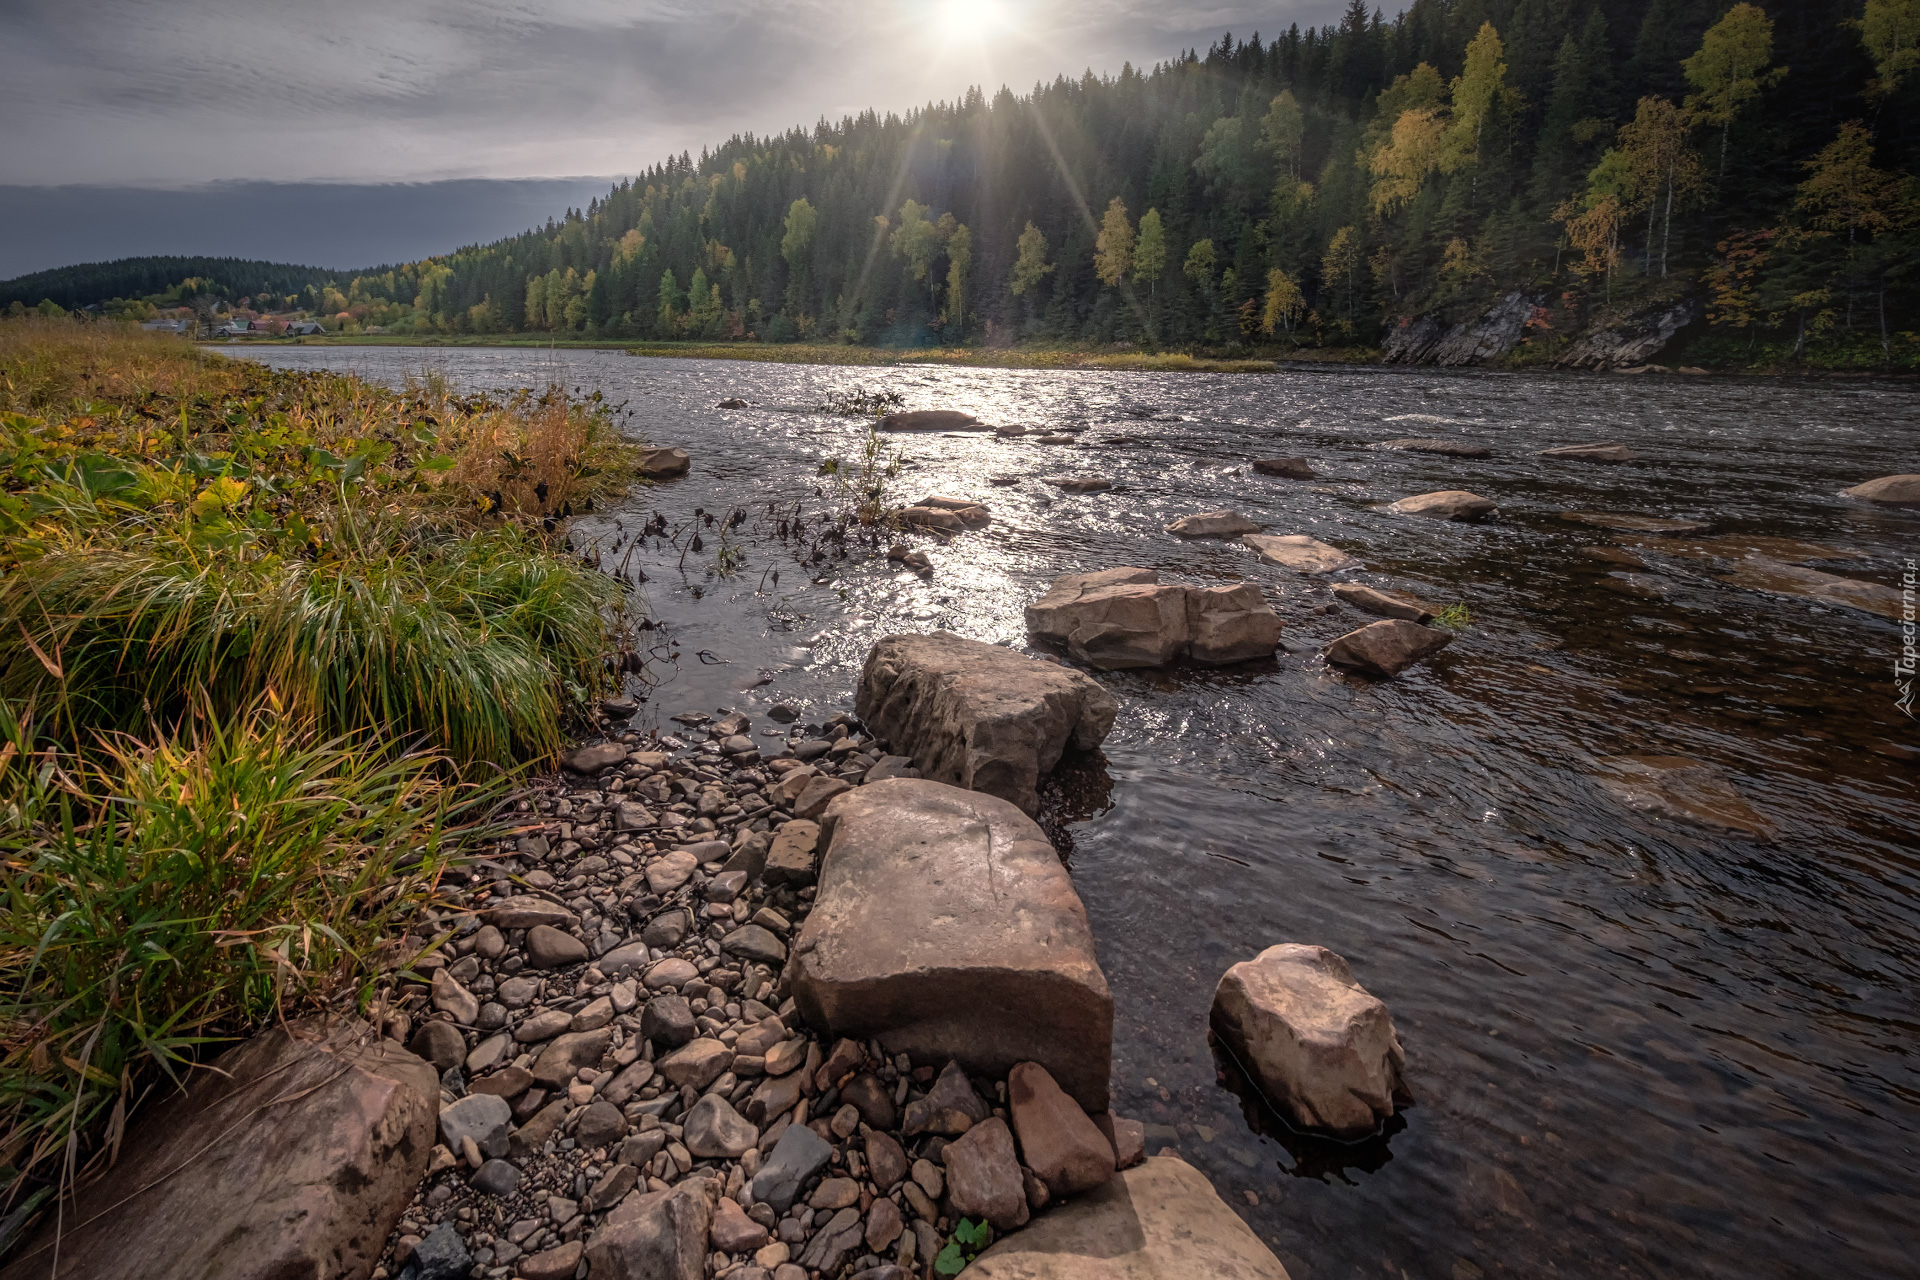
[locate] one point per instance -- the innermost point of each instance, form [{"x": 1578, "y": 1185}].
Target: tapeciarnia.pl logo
[{"x": 1903, "y": 666}]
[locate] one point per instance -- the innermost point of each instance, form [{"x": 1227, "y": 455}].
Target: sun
[{"x": 970, "y": 19}]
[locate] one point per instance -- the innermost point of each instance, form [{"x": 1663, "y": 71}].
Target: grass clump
[
  {"x": 1454, "y": 617},
  {"x": 162, "y": 895},
  {"x": 177, "y": 525}
]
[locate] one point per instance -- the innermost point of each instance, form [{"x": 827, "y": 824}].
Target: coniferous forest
[{"x": 1749, "y": 164}]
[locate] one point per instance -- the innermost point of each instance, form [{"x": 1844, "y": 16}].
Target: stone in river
[
  {"x": 334, "y": 1125},
  {"x": 1119, "y": 627},
  {"x": 714, "y": 1130},
  {"x": 1446, "y": 504},
  {"x": 799, "y": 1154},
  {"x": 1448, "y": 448},
  {"x": 1213, "y": 524},
  {"x": 1055, "y": 614},
  {"x": 1758, "y": 573},
  {"x": 979, "y": 715},
  {"x": 668, "y": 873},
  {"x": 751, "y": 942},
  {"x": 1291, "y": 468},
  {"x": 1635, "y": 524},
  {"x": 1300, "y": 553},
  {"x": 932, "y": 420},
  {"x": 1003, "y": 481},
  {"x": 734, "y": 402},
  {"x": 972, "y": 514},
  {"x": 1891, "y": 490},
  {"x": 1128, "y": 1138},
  {"x": 548, "y": 948},
  {"x": 661, "y": 1235},
  {"x": 596, "y": 758},
  {"x": 1058, "y": 1141},
  {"x": 697, "y": 1063},
  {"x": 1162, "y": 1219},
  {"x": 1382, "y": 605},
  {"x": 946, "y": 927},
  {"x": 1078, "y": 484},
  {"x": 1683, "y": 788},
  {"x": 662, "y": 464},
  {"x": 1387, "y": 648},
  {"x": 1318, "y": 1045},
  {"x": 983, "y": 1176},
  {"x": 1592, "y": 453},
  {"x": 1230, "y": 624},
  {"x": 930, "y": 518}
]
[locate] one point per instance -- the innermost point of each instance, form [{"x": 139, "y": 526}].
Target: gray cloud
[{"x": 180, "y": 92}]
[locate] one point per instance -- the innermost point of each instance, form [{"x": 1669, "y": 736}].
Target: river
[{"x": 1638, "y": 1046}]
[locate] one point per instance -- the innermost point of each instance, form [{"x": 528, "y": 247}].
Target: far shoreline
[{"x": 1057, "y": 358}]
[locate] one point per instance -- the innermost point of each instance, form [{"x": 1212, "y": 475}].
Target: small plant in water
[
  {"x": 861, "y": 403},
  {"x": 968, "y": 1239},
  {"x": 863, "y": 484},
  {"x": 1454, "y": 617}
]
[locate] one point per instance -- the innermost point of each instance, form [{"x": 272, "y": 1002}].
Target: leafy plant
[
  {"x": 968, "y": 1240},
  {"x": 1454, "y": 617},
  {"x": 861, "y": 403}
]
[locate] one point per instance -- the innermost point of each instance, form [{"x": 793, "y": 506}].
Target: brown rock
[
  {"x": 662, "y": 464},
  {"x": 951, "y": 1106},
  {"x": 439, "y": 1043},
  {"x": 1591, "y": 453},
  {"x": 1161, "y": 1220},
  {"x": 872, "y": 1099},
  {"x": 600, "y": 1125},
  {"x": 1382, "y": 605},
  {"x": 790, "y": 858},
  {"x": 548, "y": 948},
  {"x": 1387, "y": 648},
  {"x": 1446, "y": 448},
  {"x": 979, "y": 715},
  {"x": 1127, "y": 1137},
  {"x": 596, "y": 758},
  {"x": 946, "y": 928},
  {"x": 732, "y": 1231},
  {"x": 1213, "y": 524},
  {"x": 1300, "y": 553},
  {"x": 1892, "y": 490},
  {"x": 1291, "y": 468},
  {"x": 658, "y": 1236},
  {"x": 1447, "y": 504},
  {"x": 697, "y": 1063},
  {"x": 1681, "y": 787},
  {"x": 932, "y": 420},
  {"x": 508, "y": 1082},
  {"x": 565, "y": 1055},
  {"x": 819, "y": 793},
  {"x": 337, "y": 1125},
  {"x": 1230, "y": 624},
  {"x": 983, "y": 1176},
  {"x": 1063, "y": 1147},
  {"x": 884, "y": 1224},
  {"x": 524, "y": 913},
  {"x": 558, "y": 1263},
  {"x": 886, "y": 1160},
  {"x": 1319, "y": 1046}
]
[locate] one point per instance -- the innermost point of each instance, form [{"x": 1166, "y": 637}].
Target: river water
[{"x": 1638, "y": 1045}]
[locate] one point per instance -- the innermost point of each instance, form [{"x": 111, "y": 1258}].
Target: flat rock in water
[
  {"x": 1079, "y": 484},
  {"x": 1321, "y": 1048},
  {"x": 335, "y": 1126},
  {"x": 1892, "y": 490},
  {"x": 1447, "y": 448},
  {"x": 1382, "y": 605},
  {"x": 1446, "y": 504},
  {"x": 1592, "y": 453},
  {"x": 1003, "y": 480},
  {"x": 1157, "y": 1221},
  {"x": 932, "y": 420},
  {"x": 1113, "y": 625},
  {"x": 1387, "y": 648},
  {"x": 1757, "y": 573},
  {"x": 1213, "y": 524},
  {"x": 1683, "y": 788},
  {"x": 1740, "y": 546},
  {"x": 661, "y": 464},
  {"x": 1228, "y": 624},
  {"x": 947, "y": 928},
  {"x": 1635, "y": 524},
  {"x": 1291, "y": 468},
  {"x": 979, "y": 715},
  {"x": 1300, "y": 553}
]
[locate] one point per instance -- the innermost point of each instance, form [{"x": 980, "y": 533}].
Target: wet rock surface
[
  {"x": 1387, "y": 648},
  {"x": 1300, "y": 553}
]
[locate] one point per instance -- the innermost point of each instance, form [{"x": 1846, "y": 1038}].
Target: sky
[{"x": 211, "y": 101}]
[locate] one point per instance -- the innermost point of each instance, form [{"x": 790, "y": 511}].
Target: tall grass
[{"x": 161, "y": 895}]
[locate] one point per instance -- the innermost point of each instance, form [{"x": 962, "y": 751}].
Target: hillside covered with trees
[
  {"x": 1753, "y": 164},
  {"x": 167, "y": 281}
]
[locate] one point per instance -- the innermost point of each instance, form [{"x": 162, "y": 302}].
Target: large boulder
[
  {"x": 980, "y": 715},
  {"x": 1447, "y": 504},
  {"x": 973, "y": 515},
  {"x": 1230, "y": 624},
  {"x": 661, "y": 464},
  {"x": 1316, "y": 1043},
  {"x": 1158, "y": 1221},
  {"x": 293, "y": 1156},
  {"x": 1300, "y": 553},
  {"x": 1892, "y": 490},
  {"x": 932, "y": 420},
  {"x": 946, "y": 928},
  {"x": 1387, "y": 648},
  {"x": 1121, "y": 618}
]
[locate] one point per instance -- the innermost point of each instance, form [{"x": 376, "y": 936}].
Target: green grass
[{"x": 162, "y": 895}]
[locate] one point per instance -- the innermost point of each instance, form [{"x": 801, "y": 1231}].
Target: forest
[{"x": 1310, "y": 190}]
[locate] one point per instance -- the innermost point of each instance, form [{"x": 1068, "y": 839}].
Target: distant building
[
  {"x": 304, "y": 328},
  {"x": 165, "y": 324}
]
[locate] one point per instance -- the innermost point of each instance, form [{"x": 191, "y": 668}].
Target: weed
[
  {"x": 861, "y": 403},
  {"x": 1454, "y": 617},
  {"x": 968, "y": 1240}
]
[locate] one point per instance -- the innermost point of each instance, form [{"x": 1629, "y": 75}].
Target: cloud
[{"x": 180, "y": 92}]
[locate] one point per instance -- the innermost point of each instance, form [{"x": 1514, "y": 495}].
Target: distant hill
[{"x": 91, "y": 282}]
